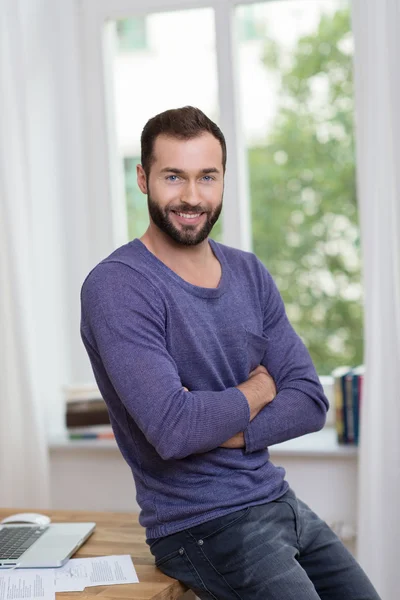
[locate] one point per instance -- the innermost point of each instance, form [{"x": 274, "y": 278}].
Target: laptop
[{"x": 27, "y": 546}]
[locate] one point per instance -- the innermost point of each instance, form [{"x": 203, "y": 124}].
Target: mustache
[{"x": 185, "y": 209}]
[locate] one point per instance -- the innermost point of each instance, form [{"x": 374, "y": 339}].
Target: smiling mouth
[{"x": 188, "y": 216}]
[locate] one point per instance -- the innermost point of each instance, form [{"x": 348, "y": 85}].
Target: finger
[{"x": 259, "y": 369}]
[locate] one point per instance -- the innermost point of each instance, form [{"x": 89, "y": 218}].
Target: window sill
[
  {"x": 321, "y": 444},
  {"x": 62, "y": 442}
]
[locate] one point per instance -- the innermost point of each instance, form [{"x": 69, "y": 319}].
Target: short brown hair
[{"x": 182, "y": 123}]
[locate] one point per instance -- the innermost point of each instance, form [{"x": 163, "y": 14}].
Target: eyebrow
[{"x": 181, "y": 171}]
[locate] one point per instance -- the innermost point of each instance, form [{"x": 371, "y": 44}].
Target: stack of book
[
  {"x": 86, "y": 414},
  {"x": 348, "y": 388}
]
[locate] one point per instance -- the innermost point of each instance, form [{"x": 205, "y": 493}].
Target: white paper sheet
[
  {"x": 79, "y": 573},
  {"x": 26, "y": 584},
  {"x": 74, "y": 576}
]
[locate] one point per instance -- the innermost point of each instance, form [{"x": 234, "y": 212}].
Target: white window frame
[
  {"x": 105, "y": 188},
  {"x": 106, "y": 200}
]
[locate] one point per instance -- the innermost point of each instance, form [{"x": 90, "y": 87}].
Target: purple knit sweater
[{"x": 148, "y": 333}]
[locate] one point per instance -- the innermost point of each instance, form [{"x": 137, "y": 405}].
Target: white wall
[{"x": 94, "y": 478}]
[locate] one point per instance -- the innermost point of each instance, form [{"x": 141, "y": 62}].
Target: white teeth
[{"x": 188, "y": 216}]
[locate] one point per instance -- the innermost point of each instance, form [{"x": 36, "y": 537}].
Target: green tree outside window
[
  {"x": 132, "y": 34},
  {"x": 303, "y": 194}
]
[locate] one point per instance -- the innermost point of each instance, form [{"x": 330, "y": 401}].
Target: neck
[
  {"x": 174, "y": 254},
  {"x": 195, "y": 264}
]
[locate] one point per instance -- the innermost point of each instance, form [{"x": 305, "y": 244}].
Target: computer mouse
[{"x": 31, "y": 518}]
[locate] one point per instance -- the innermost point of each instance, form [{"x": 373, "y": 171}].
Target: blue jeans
[{"x": 276, "y": 551}]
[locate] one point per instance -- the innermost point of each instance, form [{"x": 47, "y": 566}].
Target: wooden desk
[{"x": 115, "y": 533}]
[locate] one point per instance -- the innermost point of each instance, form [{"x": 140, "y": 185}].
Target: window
[
  {"x": 251, "y": 25},
  {"x": 132, "y": 34},
  {"x": 166, "y": 77},
  {"x": 277, "y": 77},
  {"x": 297, "y": 118}
]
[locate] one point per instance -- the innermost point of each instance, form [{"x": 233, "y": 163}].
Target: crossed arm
[
  {"x": 128, "y": 339},
  {"x": 267, "y": 388}
]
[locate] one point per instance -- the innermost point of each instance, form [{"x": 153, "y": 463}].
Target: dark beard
[{"x": 187, "y": 235}]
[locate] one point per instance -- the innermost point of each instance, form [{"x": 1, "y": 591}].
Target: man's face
[{"x": 185, "y": 187}]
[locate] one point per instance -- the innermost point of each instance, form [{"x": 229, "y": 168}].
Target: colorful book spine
[
  {"x": 358, "y": 379},
  {"x": 337, "y": 375},
  {"x": 348, "y": 391},
  {"x": 91, "y": 436},
  {"x": 348, "y": 401},
  {"x": 339, "y": 410},
  {"x": 343, "y": 387}
]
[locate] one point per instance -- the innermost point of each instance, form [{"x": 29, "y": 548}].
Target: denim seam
[
  {"x": 237, "y": 520},
  {"x": 166, "y": 558},
  {"x": 201, "y": 551},
  {"x": 197, "y": 574},
  {"x": 154, "y": 542},
  {"x": 296, "y": 522}
]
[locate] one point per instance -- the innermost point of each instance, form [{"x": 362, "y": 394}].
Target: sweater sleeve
[
  {"x": 126, "y": 320},
  {"x": 300, "y": 405}
]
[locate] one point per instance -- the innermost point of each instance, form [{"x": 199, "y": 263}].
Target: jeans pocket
[
  {"x": 164, "y": 559},
  {"x": 290, "y": 499},
  {"x": 218, "y": 552},
  {"x": 208, "y": 529},
  {"x": 178, "y": 565}
]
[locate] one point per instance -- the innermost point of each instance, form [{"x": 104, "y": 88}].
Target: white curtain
[
  {"x": 376, "y": 25},
  {"x": 24, "y": 478}
]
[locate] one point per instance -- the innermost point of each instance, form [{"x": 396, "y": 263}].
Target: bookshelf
[{"x": 321, "y": 443}]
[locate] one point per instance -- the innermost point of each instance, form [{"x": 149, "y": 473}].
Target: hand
[
  {"x": 271, "y": 383},
  {"x": 259, "y": 389},
  {"x": 258, "y": 370},
  {"x": 237, "y": 441}
]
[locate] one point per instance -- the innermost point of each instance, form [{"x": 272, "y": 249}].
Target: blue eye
[
  {"x": 172, "y": 178},
  {"x": 208, "y": 178}
]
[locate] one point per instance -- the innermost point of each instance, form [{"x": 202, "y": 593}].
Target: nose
[{"x": 191, "y": 194}]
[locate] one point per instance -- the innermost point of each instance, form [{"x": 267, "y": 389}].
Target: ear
[{"x": 141, "y": 179}]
